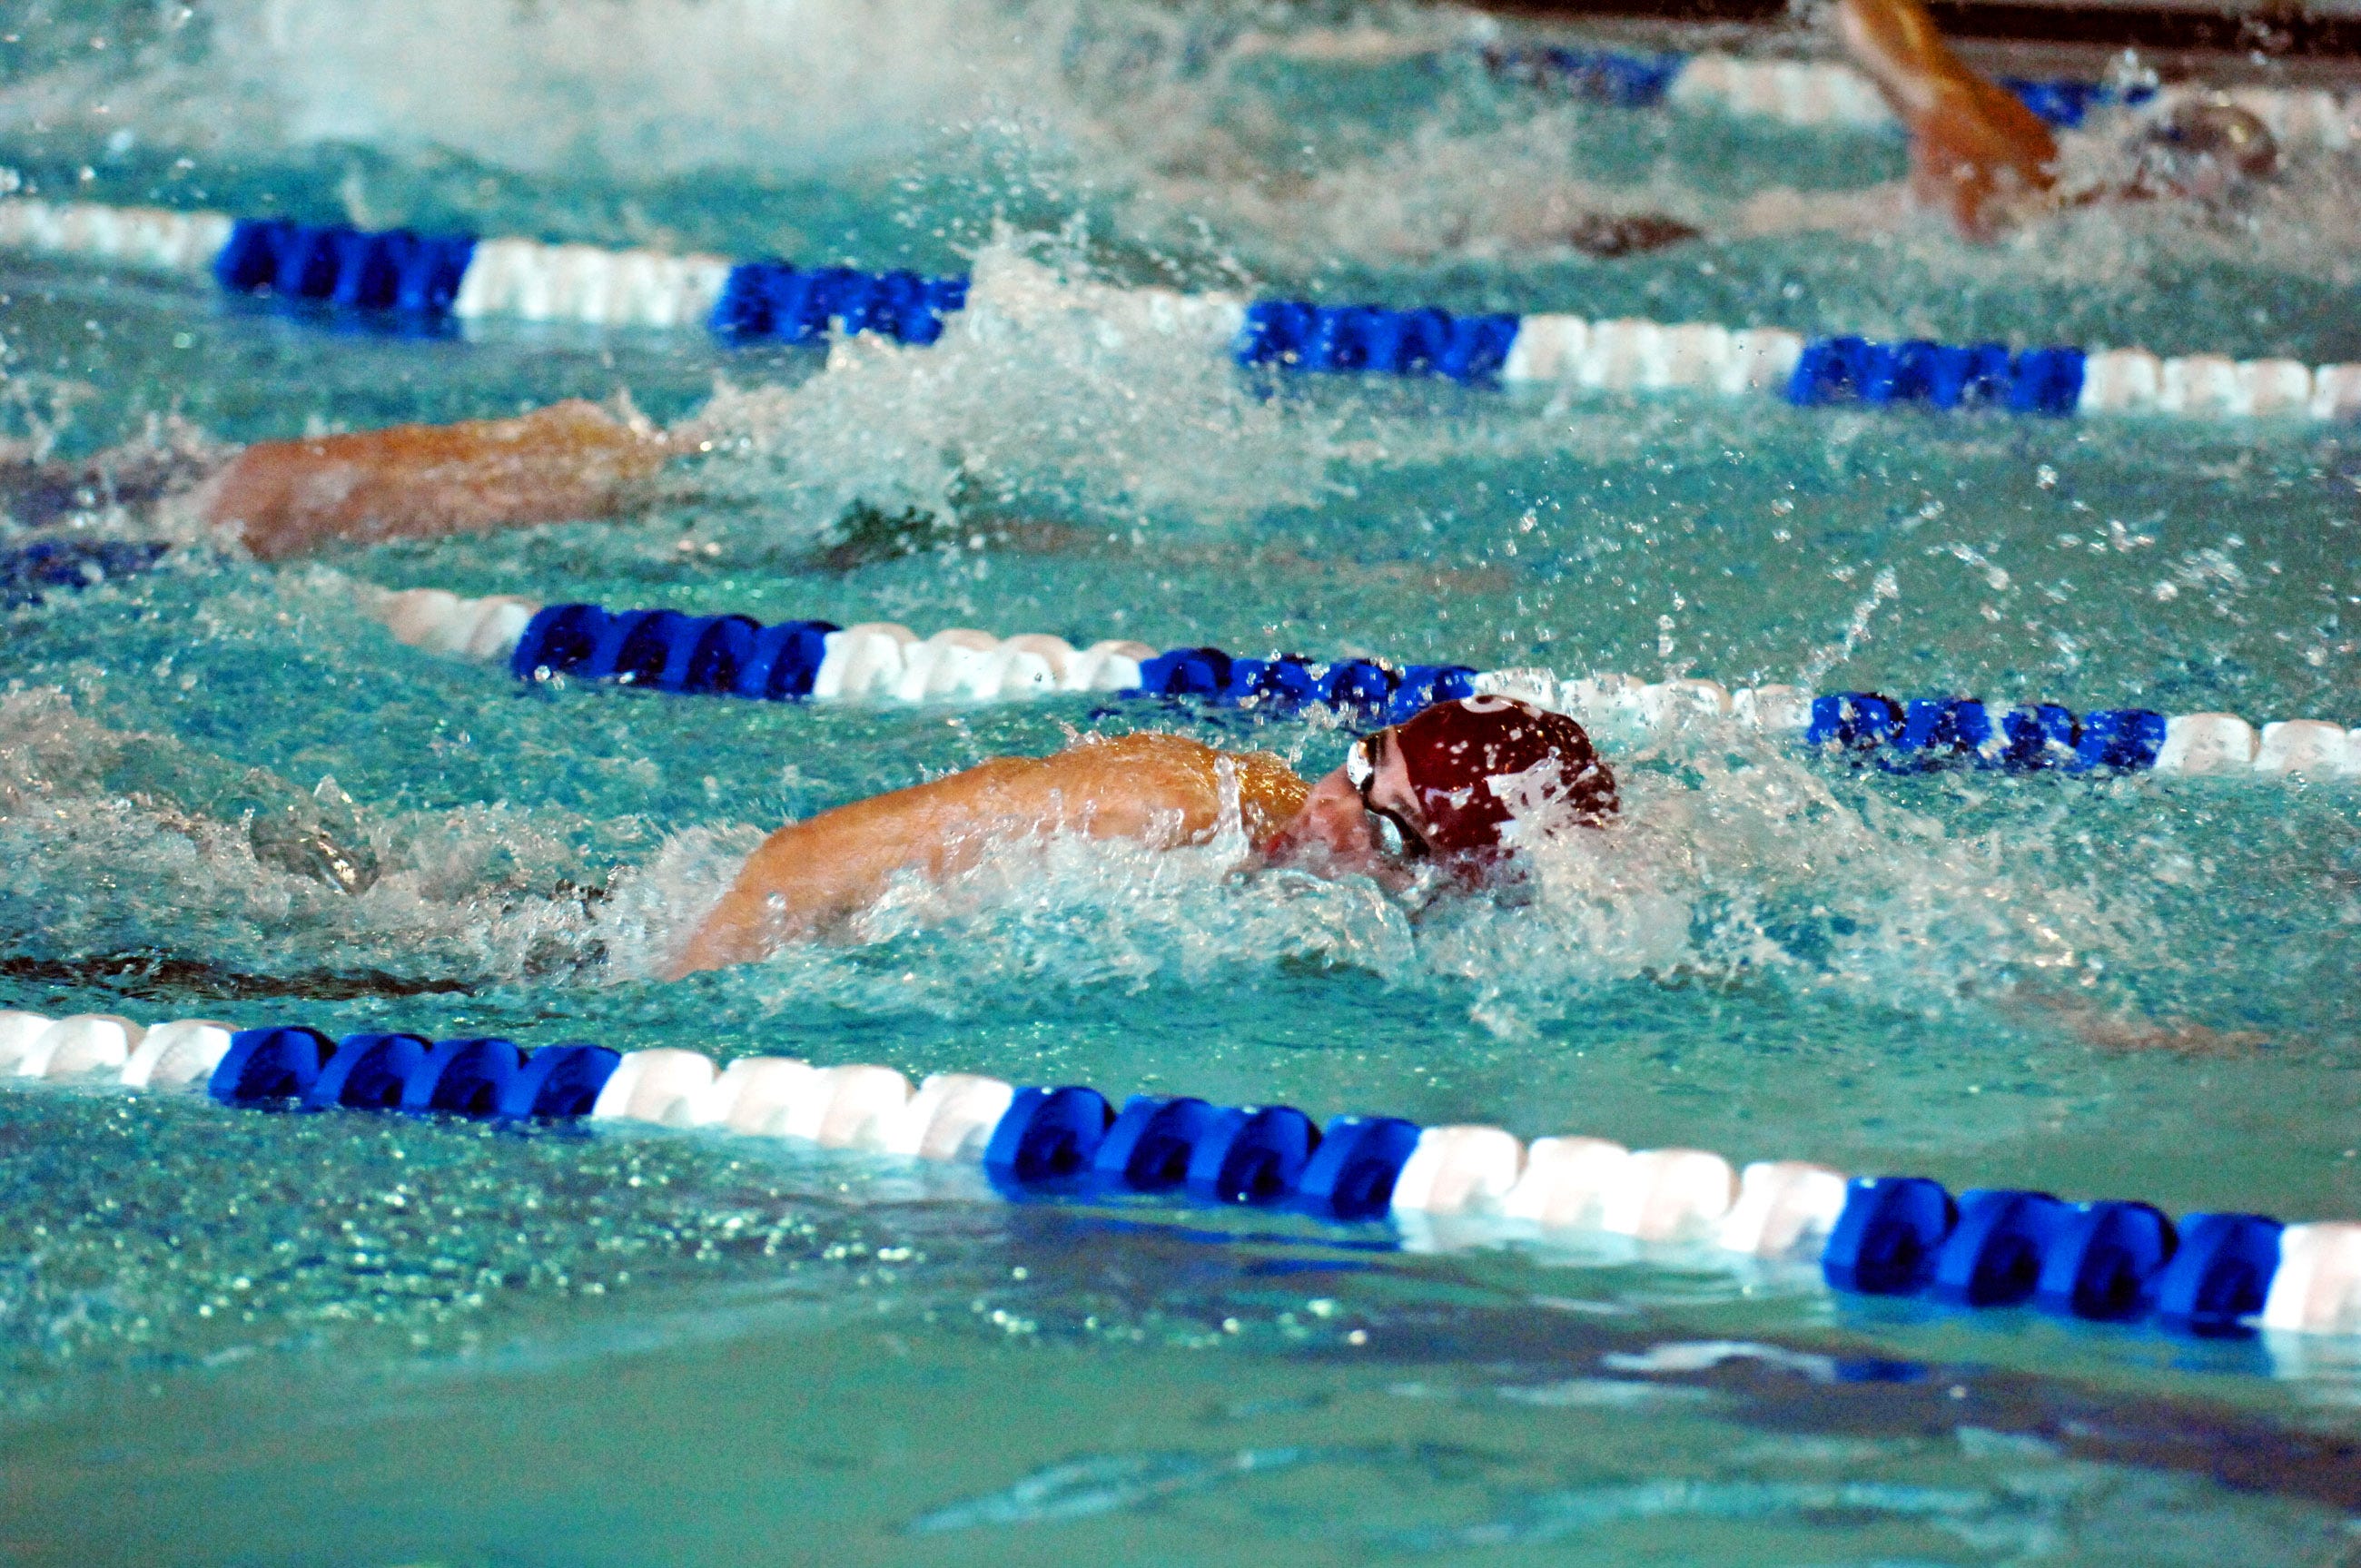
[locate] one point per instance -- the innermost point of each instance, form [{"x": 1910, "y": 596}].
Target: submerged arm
[
  {"x": 2127, "y": 1030},
  {"x": 568, "y": 461}
]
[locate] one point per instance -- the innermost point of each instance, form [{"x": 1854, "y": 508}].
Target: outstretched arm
[
  {"x": 567, "y": 461},
  {"x": 1161, "y": 790}
]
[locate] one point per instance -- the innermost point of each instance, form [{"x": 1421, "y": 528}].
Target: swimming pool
[{"x": 244, "y": 1338}]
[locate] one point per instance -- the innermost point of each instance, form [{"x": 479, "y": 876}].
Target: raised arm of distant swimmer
[
  {"x": 1162, "y": 790},
  {"x": 567, "y": 461},
  {"x": 1975, "y": 149}
]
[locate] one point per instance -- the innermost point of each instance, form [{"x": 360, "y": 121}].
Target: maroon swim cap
[{"x": 1464, "y": 759}]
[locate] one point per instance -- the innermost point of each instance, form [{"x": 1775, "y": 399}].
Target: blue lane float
[
  {"x": 2106, "y": 1262},
  {"x": 667, "y": 651},
  {"x": 1630, "y": 78},
  {"x": 393, "y": 271},
  {"x": 1895, "y": 1236},
  {"x": 1370, "y": 339},
  {"x": 400, "y": 278},
  {"x": 1047, "y": 1135},
  {"x": 2035, "y": 380},
  {"x": 2068, "y": 103},
  {"x": 1885, "y": 1241},
  {"x": 1351, "y": 1175},
  {"x": 773, "y": 301},
  {"x": 303, "y": 1070},
  {"x": 1366, "y": 687},
  {"x": 1933, "y": 732},
  {"x": 735, "y": 656},
  {"x": 2220, "y": 1274}
]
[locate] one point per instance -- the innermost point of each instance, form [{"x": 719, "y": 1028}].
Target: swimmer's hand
[{"x": 571, "y": 460}]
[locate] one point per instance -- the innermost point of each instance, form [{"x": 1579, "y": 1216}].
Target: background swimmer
[
  {"x": 570, "y": 461},
  {"x": 1979, "y": 155}
]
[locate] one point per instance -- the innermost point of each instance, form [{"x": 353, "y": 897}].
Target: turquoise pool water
[{"x": 240, "y": 1339}]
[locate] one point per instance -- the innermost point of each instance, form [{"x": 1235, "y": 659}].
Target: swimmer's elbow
[
  {"x": 706, "y": 950},
  {"x": 727, "y": 938}
]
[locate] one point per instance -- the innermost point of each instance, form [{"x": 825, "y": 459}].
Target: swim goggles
[{"x": 1361, "y": 772}]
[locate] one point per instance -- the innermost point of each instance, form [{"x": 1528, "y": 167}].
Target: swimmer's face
[
  {"x": 1377, "y": 771},
  {"x": 1363, "y": 818}
]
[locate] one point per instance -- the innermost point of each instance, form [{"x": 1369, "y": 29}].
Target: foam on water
[
  {"x": 757, "y": 84},
  {"x": 112, "y": 837},
  {"x": 1216, "y": 147},
  {"x": 1736, "y": 866},
  {"x": 1051, "y": 390}
]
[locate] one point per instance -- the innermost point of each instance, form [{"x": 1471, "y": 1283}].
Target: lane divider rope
[
  {"x": 673, "y": 652},
  {"x": 413, "y": 283},
  {"x": 1440, "y": 1187},
  {"x": 670, "y": 651},
  {"x": 1815, "y": 92}
]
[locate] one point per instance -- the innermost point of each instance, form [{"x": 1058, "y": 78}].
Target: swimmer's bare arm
[
  {"x": 811, "y": 875},
  {"x": 1975, "y": 149},
  {"x": 571, "y": 460}
]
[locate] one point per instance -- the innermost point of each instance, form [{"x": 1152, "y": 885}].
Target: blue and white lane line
[
  {"x": 733, "y": 655},
  {"x": 1832, "y": 93},
  {"x": 2208, "y": 1274},
  {"x": 410, "y": 281}
]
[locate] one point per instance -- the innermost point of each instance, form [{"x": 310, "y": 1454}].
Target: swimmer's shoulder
[
  {"x": 1149, "y": 749},
  {"x": 1269, "y": 792}
]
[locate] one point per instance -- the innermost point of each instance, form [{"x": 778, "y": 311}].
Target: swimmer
[
  {"x": 1979, "y": 154},
  {"x": 567, "y": 462},
  {"x": 1975, "y": 150},
  {"x": 1447, "y": 784}
]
